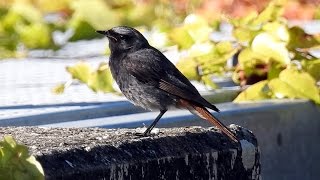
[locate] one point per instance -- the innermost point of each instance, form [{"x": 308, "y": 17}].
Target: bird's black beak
[
  {"x": 107, "y": 33},
  {"x": 102, "y": 32}
]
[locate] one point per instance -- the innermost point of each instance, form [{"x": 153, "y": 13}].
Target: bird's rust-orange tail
[{"x": 205, "y": 114}]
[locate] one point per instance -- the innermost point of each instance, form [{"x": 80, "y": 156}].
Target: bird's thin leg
[{"x": 148, "y": 131}]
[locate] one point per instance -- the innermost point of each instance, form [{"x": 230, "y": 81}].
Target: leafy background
[{"x": 268, "y": 52}]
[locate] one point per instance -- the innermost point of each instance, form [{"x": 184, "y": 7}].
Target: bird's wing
[{"x": 158, "y": 71}]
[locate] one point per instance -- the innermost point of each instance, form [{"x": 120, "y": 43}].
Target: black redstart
[{"x": 149, "y": 80}]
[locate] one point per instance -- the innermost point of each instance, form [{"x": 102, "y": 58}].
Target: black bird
[{"x": 149, "y": 80}]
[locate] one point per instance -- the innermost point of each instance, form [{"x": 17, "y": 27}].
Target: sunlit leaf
[
  {"x": 27, "y": 11},
  {"x": 101, "y": 80},
  {"x": 142, "y": 14},
  {"x": 295, "y": 84},
  {"x": 197, "y": 27},
  {"x": 59, "y": 89},
  {"x": 244, "y": 21},
  {"x": 36, "y": 35},
  {"x": 244, "y": 34},
  {"x": 200, "y": 49},
  {"x": 189, "y": 67},
  {"x": 181, "y": 37},
  {"x": 194, "y": 30},
  {"x": 248, "y": 59},
  {"x": 157, "y": 38},
  {"x": 266, "y": 45},
  {"x": 278, "y": 30},
  {"x": 258, "y": 91},
  {"x": 224, "y": 47},
  {"x": 274, "y": 70},
  {"x": 272, "y": 12},
  {"x": 34, "y": 167},
  {"x": 53, "y": 6},
  {"x": 80, "y": 71},
  {"x": 207, "y": 80},
  {"x": 298, "y": 38},
  {"x": 16, "y": 163},
  {"x": 243, "y": 30},
  {"x": 312, "y": 67},
  {"x": 89, "y": 16},
  {"x": 82, "y": 30},
  {"x": 281, "y": 89}
]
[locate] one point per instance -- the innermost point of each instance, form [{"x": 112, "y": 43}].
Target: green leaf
[
  {"x": 189, "y": 68},
  {"x": 143, "y": 14},
  {"x": 16, "y": 163},
  {"x": 244, "y": 30},
  {"x": 200, "y": 49},
  {"x": 298, "y": 38},
  {"x": 278, "y": 30},
  {"x": 59, "y": 89},
  {"x": 224, "y": 47},
  {"x": 181, "y": 37},
  {"x": 194, "y": 30},
  {"x": 101, "y": 80},
  {"x": 82, "y": 30},
  {"x": 27, "y": 11},
  {"x": 34, "y": 168},
  {"x": 294, "y": 84},
  {"x": 36, "y": 35},
  {"x": 198, "y": 28},
  {"x": 266, "y": 45},
  {"x": 208, "y": 81},
  {"x": 244, "y": 21},
  {"x": 9, "y": 141},
  {"x": 244, "y": 34},
  {"x": 312, "y": 67},
  {"x": 249, "y": 59},
  {"x": 274, "y": 70},
  {"x": 81, "y": 71},
  {"x": 256, "y": 91},
  {"x": 89, "y": 16},
  {"x": 272, "y": 12}
]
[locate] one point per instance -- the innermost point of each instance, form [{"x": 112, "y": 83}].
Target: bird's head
[{"x": 124, "y": 38}]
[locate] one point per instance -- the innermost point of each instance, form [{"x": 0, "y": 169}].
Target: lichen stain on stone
[
  {"x": 164, "y": 160},
  {"x": 125, "y": 168},
  {"x": 214, "y": 155},
  {"x": 113, "y": 172},
  {"x": 142, "y": 172},
  {"x": 234, "y": 154},
  {"x": 208, "y": 163},
  {"x": 177, "y": 174},
  {"x": 186, "y": 159},
  {"x": 119, "y": 171},
  {"x": 211, "y": 159},
  {"x": 248, "y": 154}
]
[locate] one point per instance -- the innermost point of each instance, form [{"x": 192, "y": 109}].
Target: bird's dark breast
[{"x": 139, "y": 93}]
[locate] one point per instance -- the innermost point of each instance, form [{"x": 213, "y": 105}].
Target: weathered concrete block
[{"x": 173, "y": 153}]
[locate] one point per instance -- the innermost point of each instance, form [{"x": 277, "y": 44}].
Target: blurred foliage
[
  {"x": 275, "y": 57},
  {"x": 271, "y": 56},
  {"x": 30, "y": 24},
  {"x": 99, "y": 80},
  {"x": 16, "y": 163},
  {"x": 265, "y": 48}
]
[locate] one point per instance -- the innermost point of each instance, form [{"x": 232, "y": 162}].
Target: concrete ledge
[{"x": 173, "y": 153}]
